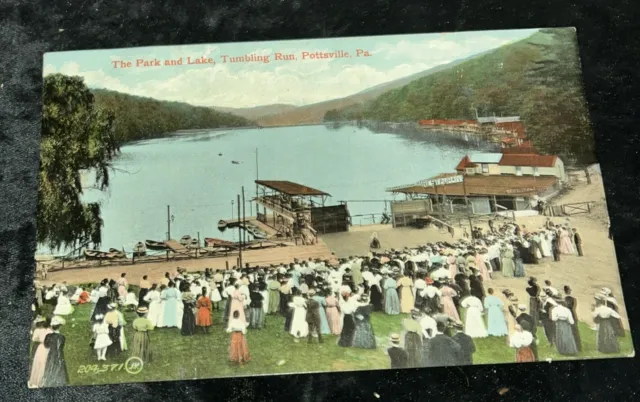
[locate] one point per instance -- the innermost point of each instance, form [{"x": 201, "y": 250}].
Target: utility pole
[
  {"x": 466, "y": 201},
  {"x": 239, "y": 236}
]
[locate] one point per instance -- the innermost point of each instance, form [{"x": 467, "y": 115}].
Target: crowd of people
[{"x": 433, "y": 284}]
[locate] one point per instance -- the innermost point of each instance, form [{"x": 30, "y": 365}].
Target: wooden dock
[{"x": 252, "y": 220}]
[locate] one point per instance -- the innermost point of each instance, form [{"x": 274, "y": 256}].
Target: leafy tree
[
  {"x": 556, "y": 112},
  {"x": 76, "y": 136}
]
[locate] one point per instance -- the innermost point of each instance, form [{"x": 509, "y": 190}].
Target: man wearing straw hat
[{"x": 397, "y": 355}]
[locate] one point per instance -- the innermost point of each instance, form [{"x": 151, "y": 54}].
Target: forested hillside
[
  {"x": 537, "y": 78},
  {"x": 138, "y": 118}
]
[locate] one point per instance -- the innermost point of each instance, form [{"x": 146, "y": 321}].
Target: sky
[{"x": 295, "y": 82}]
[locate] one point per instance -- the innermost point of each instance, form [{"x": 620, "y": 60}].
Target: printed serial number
[{"x": 133, "y": 365}]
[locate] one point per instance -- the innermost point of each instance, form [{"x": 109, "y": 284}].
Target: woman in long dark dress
[
  {"x": 463, "y": 284},
  {"x": 534, "y": 302},
  {"x": 544, "y": 315},
  {"x": 348, "y": 324},
  {"x": 610, "y": 302},
  {"x": 606, "y": 318},
  {"x": 113, "y": 291},
  {"x": 572, "y": 305},
  {"x": 476, "y": 287},
  {"x": 55, "y": 371},
  {"x": 413, "y": 340},
  {"x": 100, "y": 309},
  {"x": 188, "y": 316},
  {"x": 375, "y": 291},
  {"x": 564, "y": 339},
  {"x": 363, "y": 336}
]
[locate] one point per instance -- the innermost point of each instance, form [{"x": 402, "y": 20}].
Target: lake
[{"x": 186, "y": 172}]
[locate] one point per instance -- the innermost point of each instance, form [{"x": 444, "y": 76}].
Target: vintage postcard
[{"x": 327, "y": 205}]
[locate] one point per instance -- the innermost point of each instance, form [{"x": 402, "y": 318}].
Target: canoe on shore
[{"x": 155, "y": 245}]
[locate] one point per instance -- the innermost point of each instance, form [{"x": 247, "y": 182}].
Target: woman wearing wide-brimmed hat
[{"x": 141, "y": 347}]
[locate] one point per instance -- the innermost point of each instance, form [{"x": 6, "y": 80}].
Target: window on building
[
  {"x": 536, "y": 171},
  {"x": 471, "y": 170},
  {"x": 485, "y": 168},
  {"x": 518, "y": 171}
]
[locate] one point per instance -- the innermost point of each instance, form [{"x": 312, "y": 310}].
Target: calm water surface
[{"x": 187, "y": 173}]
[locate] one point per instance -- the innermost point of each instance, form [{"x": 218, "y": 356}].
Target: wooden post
[
  {"x": 198, "y": 249},
  {"x": 168, "y": 222},
  {"x": 226, "y": 264},
  {"x": 589, "y": 207},
  {"x": 466, "y": 201},
  {"x": 244, "y": 218},
  {"x": 495, "y": 204}
]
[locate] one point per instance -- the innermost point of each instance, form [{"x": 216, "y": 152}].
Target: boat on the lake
[
  {"x": 235, "y": 162},
  {"x": 185, "y": 240},
  {"x": 95, "y": 254},
  {"x": 213, "y": 242},
  {"x": 155, "y": 245},
  {"x": 115, "y": 253},
  {"x": 139, "y": 250},
  {"x": 222, "y": 225}
]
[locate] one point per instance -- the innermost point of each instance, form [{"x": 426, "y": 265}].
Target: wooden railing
[{"x": 575, "y": 208}]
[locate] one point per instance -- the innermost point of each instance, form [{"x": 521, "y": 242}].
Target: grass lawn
[{"x": 176, "y": 357}]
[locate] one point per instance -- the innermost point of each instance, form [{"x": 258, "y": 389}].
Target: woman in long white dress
[
  {"x": 474, "y": 322},
  {"x": 155, "y": 306},
  {"x": 299, "y": 325},
  {"x": 265, "y": 296},
  {"x": 63, "y": 307},
  {"x": 545, "y": 243}
]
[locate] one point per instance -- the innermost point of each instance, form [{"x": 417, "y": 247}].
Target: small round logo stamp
[{"x": 133, "y": 365}]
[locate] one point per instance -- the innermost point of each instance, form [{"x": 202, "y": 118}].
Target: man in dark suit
[
  {"x": 578, "y": 241},
  {"x": 441, "y": 350},
  {"x": 398, "y": 356},
  {"x": 313, "y": 317},
  {"x": 467, "y": 347}
]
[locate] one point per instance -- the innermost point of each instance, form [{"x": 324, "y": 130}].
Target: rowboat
[
  {"x": 222, "y": 225},
  {"x": 185, "y": 240},
  {"x": 213, "y": 242},
  {"x": 155, "y": 245},
  {"x": 95, "y": 254},
  {"x": 115, "y": 253},
  {"x": 194, "y": 243},
  {"x": 139, "y": 250}
]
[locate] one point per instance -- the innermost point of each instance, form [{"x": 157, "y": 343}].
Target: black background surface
[{"x": 609, "y": 55}]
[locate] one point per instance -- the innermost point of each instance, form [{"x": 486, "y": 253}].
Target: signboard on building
[
  {"x": 520, "y": 190},
  {"x": 442, "y": 181}
]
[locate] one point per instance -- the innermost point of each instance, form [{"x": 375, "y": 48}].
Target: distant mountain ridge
[
  {"x": 257, "y": 112},
  {"x": 315, "y": 113}
]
